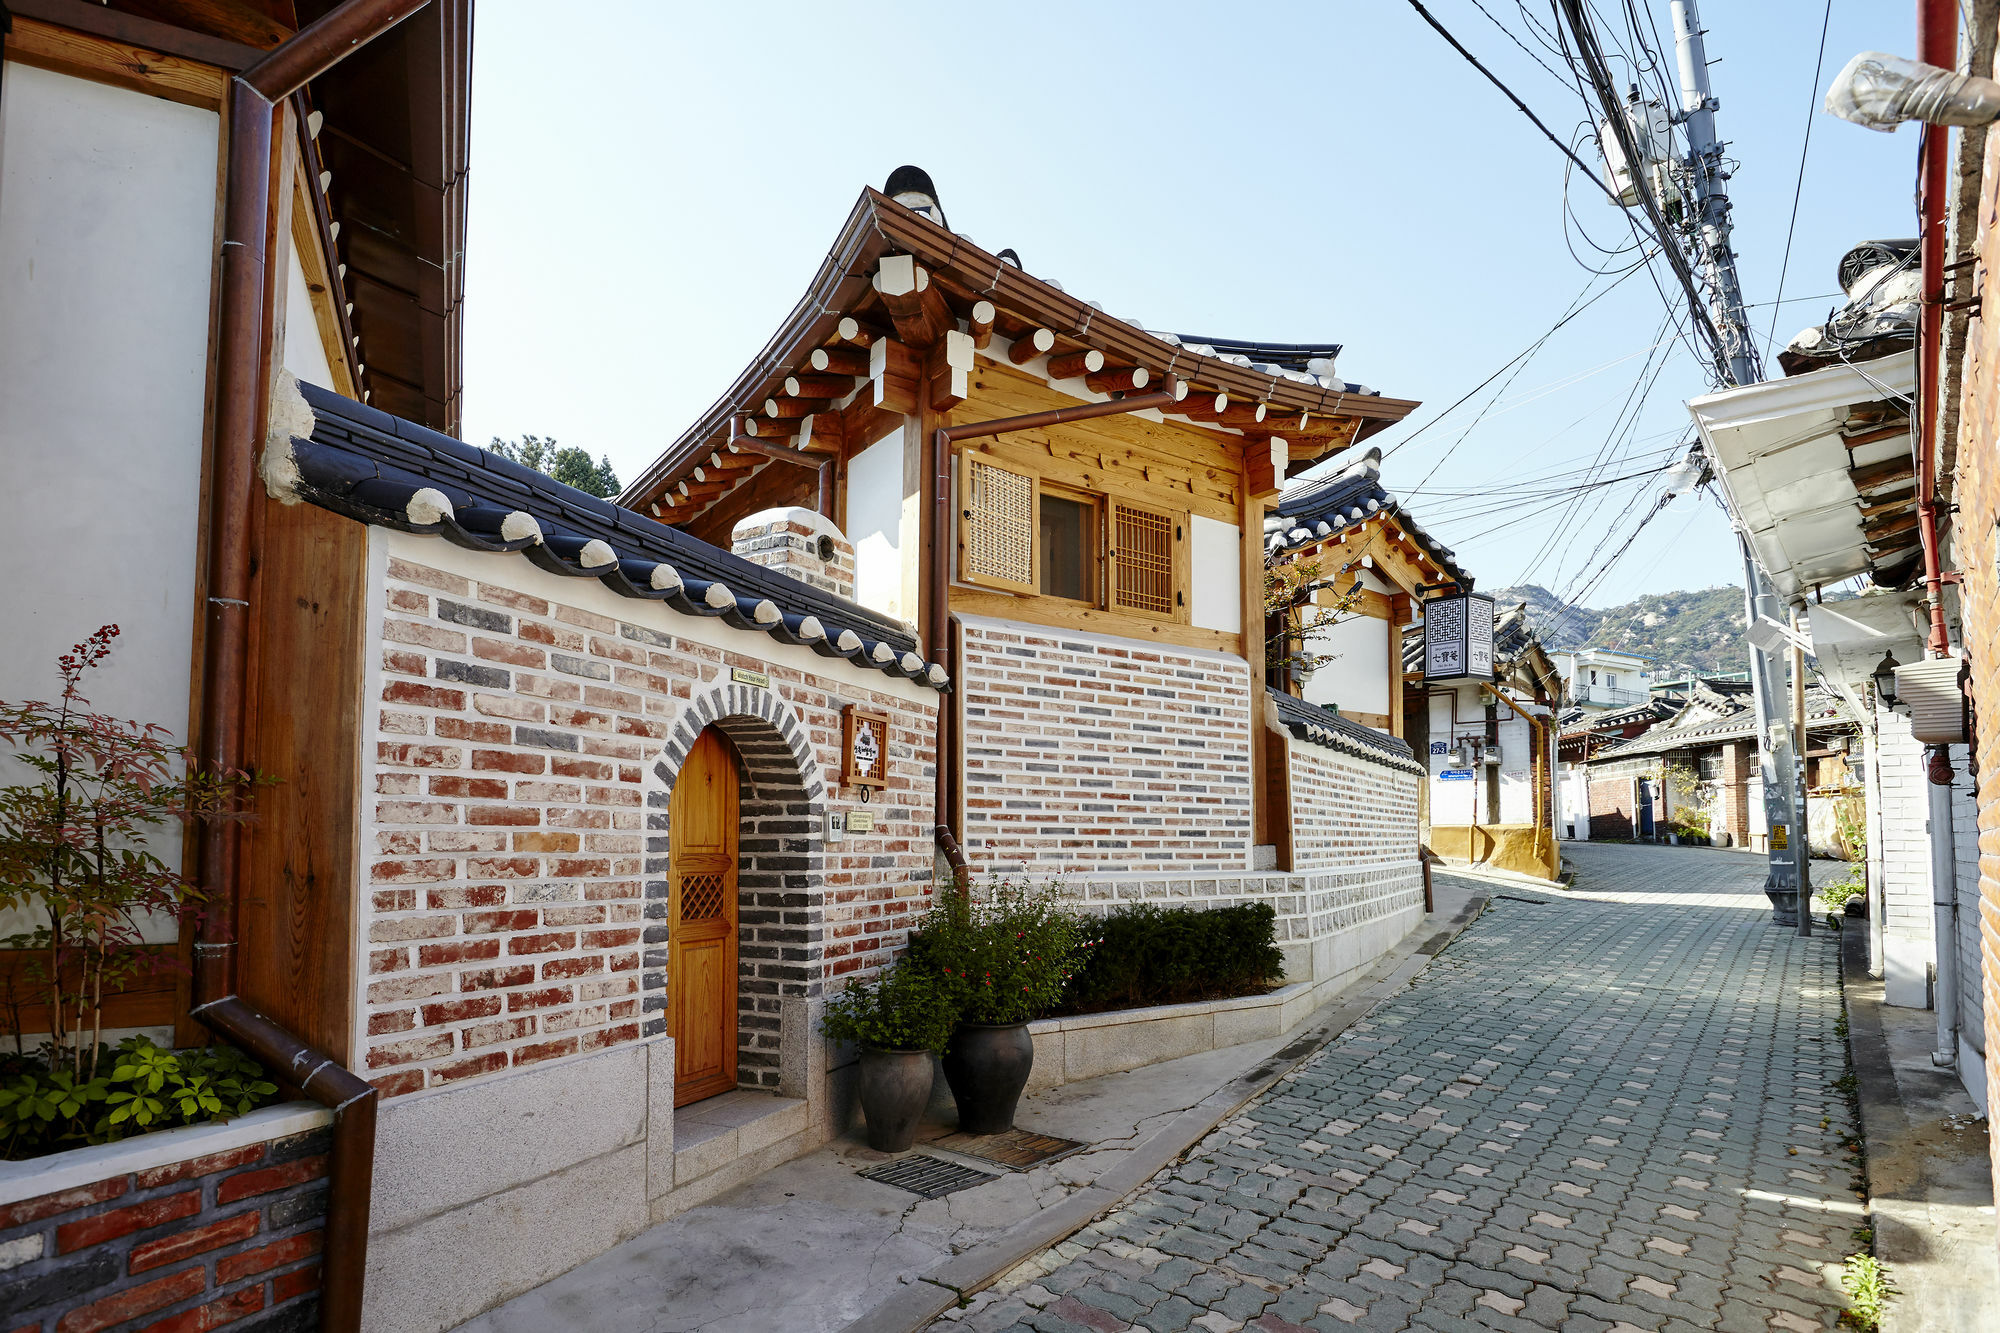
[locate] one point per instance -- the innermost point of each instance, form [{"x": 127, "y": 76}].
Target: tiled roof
[
  {"x": 1310, "y": 722},
  {"x": 1825, "y": 711},
  {"x": 393, "y": 473},
  {"x": 1330, "y": 506}
]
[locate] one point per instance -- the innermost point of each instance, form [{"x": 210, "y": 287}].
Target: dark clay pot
[
  {"x": 987, "y": 1066},
  {"x": 895, "y": 1088}
]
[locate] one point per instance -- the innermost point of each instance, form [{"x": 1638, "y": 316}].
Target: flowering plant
[
  {"x": 75, "y": 859},
  {"x": 1006, "y": 951},
  {"x": 902, "y": 1009}
]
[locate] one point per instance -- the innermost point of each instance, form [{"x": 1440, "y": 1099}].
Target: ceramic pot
[
  {"x": 987, "y": 1066},
  {"x": 895, "y": 1088}
]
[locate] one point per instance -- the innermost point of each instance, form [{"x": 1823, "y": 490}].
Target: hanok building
[{"x": 1069, "y": 511}]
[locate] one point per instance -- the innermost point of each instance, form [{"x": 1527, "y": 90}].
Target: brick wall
[
  {"x": 1085, "y": 754},
  {"x": 1732, "y": 797},
  {"x": 1613, "y": 813},
  {"x": 525, "y": 751},
  {"x": 1351, "y": 813},
  {"x": 801, "y": 543},
  {"x": 228, "y": 1237}
]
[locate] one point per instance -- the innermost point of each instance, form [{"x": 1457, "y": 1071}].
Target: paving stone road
[{"x": 1615, "y": 1109}]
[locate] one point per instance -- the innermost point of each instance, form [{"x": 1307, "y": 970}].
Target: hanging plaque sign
[
  {"x": 865, "y": 748},
  {"x": 1458, "y": 638}
]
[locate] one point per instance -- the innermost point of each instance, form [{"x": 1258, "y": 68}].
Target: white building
[{"x": 1600, "y": 679}]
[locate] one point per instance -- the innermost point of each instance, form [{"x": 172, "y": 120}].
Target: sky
[{"x": 653, "y": 185}]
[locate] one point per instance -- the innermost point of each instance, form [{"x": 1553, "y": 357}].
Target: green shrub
[
  {"x": 1836, "y": 894},
  {"x": 903, "y": 1009},
  {"x": 1005, "y": 952},
  {"x": 1146, "y": 955},
  {"x": 45, "y": 1110}
]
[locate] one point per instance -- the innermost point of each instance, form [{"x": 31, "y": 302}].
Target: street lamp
[{"x": 1885, "y": 680}]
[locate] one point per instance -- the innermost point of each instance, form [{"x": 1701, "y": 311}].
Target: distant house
[
  {"x": 1694, "y": 777},
  {"x": 1604, "y": 679}
]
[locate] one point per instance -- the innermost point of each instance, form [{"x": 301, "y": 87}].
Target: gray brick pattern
[{"x": 1616, "y": 1110}]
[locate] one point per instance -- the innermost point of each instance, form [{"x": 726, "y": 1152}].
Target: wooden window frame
[
  {"x": 966, "y": 463},
  {"x": 1177, "y": 561},
  {"x": 1100, "y": 555}
]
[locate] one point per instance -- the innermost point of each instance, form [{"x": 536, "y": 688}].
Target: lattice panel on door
[
  {"x": 999, "y": 525},
  {"x": 1143, "y": 560},
  {"x": 701, "y": 897}
]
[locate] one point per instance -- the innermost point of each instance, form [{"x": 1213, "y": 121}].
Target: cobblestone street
[{"x": 1612, "y": 1109}]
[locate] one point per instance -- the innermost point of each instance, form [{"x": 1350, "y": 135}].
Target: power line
[
  {"x": 1798, "y": 190},
  {"x": 1494, "y": 79}
]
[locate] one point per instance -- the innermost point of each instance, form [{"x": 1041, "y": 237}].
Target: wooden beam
[
  {"x": 787, "y": 409},
  {"x": 1036, "y": 342},
  {"x": 1250, "y": 528},
  {"x": 102, "y": 60},
  {"x": 1119, "y": 379},
  {"x": 1069, "y": 365},
  {"x": 1201, "y": 405},
  {"x": 839, "y": 361},
  {"x": 1244, "y": 414},
  {"x": 917, "y": 308},
  {"x": 828, "y": 387},
  {"x": 1264, "y": 467},
  {"x": 948, "y": 367},
  {"x": 768, "y": 429},
  {"x": 893, "y": 372},
  {"x": 981, "y": 323},
  {"x": 1882, "y": 473},
  {"x": 856, "y": 333}
]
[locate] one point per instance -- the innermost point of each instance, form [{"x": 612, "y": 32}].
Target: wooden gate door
[{"x": 701, "y": 954}]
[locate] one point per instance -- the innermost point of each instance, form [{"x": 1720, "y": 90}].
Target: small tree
[
  {"x": 1690, "y": 815},
  {"x": 1291, "y": 596},
  {"x": 74, "y": 853},
  {"x": 566, "y": 463}
]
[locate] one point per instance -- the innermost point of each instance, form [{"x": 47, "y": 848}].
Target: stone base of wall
[
  {"x": 537, "y": 1172},
  {"x": 185, "y": 1229}
]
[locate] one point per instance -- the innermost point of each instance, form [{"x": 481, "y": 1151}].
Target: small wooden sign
[
  {"x": 865, "y": 747},
  {"x": 745, "y": 676},
  {"x": 860, "y": 821}
]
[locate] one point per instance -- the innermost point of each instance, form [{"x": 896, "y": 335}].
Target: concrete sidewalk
[
  {"x": 811, "y": 1246},
  {"x": 1930, "y": 1191}
]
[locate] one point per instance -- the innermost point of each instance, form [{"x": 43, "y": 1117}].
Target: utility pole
[{"x": 1787, "y": 881}]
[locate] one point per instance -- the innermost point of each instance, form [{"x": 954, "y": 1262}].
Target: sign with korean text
[
  {"x": 1458, "y": 638},
  {"x": 864, "y": 749}
]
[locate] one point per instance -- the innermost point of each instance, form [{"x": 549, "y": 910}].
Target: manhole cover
[
  {"x": 1017, "y": 1149},
  {"x": 927, "y": 1177}
]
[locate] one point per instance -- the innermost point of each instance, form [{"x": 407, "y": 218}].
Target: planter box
[{"x": 210, "y": 1223}]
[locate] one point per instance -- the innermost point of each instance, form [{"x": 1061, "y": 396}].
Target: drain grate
[
  {"x": 1016, "y": 1149},
  {"x": 927, "y": 1177}
]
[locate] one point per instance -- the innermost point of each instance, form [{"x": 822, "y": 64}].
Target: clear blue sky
[{"x": 653, "y": 185}]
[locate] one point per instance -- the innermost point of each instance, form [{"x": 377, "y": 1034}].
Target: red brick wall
[
  {"x": 1086, "y": 754},
  {"x": 526, "y": 750},
  {"x": 1977, "y": 554},
  {"x": 175, "y": 1248}
]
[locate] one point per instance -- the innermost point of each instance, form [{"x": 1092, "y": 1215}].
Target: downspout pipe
[
  {"x": 1937, "y": 44},
  {"x": 942, "y": 649},
  {"x": 241, "y": 406}
]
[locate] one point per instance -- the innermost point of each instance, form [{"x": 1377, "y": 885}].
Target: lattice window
[
  {"x": 701, "y": 897},
  {"x": 996, "y": 546},
  {"x": 1142, "y": 561}
]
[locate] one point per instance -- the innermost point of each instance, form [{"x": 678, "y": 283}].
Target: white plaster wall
[
  {"x": 1357, "y": 677},
  {"x": 107, "y": 215},
  {"x": 1906, "y": 868},
  {"x": 875, "y": 524},
  {"x": 1217, "y": 559},
  {"x": 1517, "y": 769},
  {"x": 1457, "y": 802},
  {"x": 304, "y": 354}
]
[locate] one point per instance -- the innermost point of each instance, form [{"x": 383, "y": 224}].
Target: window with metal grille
[
  {"x": 996, "y": 544},
  {"x": 1142, "y": 561}
]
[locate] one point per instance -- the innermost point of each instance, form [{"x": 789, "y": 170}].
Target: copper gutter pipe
[
  {"x": 942, "y": 650},
  {"x": 1937, "y": 44},
  {"x": 241, "y": 392}
]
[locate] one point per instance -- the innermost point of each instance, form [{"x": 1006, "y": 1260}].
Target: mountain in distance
[{"x": 1697, "y": 632}]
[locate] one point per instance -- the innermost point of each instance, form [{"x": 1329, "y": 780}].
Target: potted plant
[
  {"x": 899, "y": 1020},
  {"x": 75, "y": 862},
  {"x": 1007, "y": 955}
]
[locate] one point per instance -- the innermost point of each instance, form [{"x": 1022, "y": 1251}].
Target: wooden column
[
  {"x": 1254, "y": 492},
  {"x": 1399, "y": 611}
]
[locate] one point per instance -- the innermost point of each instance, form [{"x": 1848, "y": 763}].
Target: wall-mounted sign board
[
  {"x": 1458, "y": 638},
  {"x": 1455, "y": 775},
  {"x": 864, "y": 749}
]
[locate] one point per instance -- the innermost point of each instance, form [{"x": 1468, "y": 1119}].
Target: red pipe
[{"x": 1937, "y": 44}]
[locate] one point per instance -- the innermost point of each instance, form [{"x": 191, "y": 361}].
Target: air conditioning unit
[{"x": 1930, "y": 690}]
